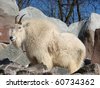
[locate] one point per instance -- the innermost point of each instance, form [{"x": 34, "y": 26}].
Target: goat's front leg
[{"x": 44, "y": 57}]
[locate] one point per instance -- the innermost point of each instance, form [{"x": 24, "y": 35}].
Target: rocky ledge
[{"x": 8, "y": 67}]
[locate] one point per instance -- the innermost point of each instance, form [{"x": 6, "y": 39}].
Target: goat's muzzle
[{"x": 12, "y": 38}]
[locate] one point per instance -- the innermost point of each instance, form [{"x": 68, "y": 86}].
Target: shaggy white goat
[{"x": 44, "y": 44}]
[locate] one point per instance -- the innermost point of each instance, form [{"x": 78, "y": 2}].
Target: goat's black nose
[{"x": 11, "y": 38}]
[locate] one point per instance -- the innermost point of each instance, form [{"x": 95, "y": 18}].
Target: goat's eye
[{"x": 19, "y": 27}]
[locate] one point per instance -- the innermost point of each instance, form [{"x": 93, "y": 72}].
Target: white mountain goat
[{"x": 45, "y": 44}]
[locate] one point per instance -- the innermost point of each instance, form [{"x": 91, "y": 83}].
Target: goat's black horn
[
  {"x": 16, "y": 19},
  {"x": 21, "y": 19}
]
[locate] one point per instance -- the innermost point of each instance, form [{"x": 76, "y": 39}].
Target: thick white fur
[{"x": 47, "y": 45}]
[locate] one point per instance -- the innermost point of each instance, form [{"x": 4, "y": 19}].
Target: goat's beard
[{"x": 17, "y": 44}]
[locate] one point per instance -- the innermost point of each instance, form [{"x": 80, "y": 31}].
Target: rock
[
  {"x": 88, "y": 35},
  {"x": 96, "y": 50},
  {"x": 13, "y": 68},
  {"x": 31, "y": 12},
  {"x": 2, "y": 46},
  {"x": 76, "y": 28},
  {"x": 91, "y": 69},
  {"x": 34, "y": 13},
  {"x": 85, "y": 31},
  {"x": 9, "y": 7},
  {"x": 8, "y": 11},
  {"x": 88, "y": 43},
  {"x": 59, "y": 71},
  {"x": 8, "y": 67},
  {"x": 24, "y": 72},
  {"x": 14, "y": 54},
  {"x": 5, "y": 61},
  {"x": 87, "y": 61},
  {"x": 4, "y": 34},
  {"x": 62, "y": 27},
  {"x": 2, "y": 72},
  {"x": 94, "y": 21}
]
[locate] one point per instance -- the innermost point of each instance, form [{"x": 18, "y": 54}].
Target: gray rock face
[
  {"x": 8, "y": 67},
  {"x": 9, "y": 7},
  {"x": 76, "y": 27},
  {"x": 13, "y": 68},
  {"x": 14, "y": 54},
  {"x": 94, "y": 21},
  {"x": 2, "y": 46},
  {"x": 59, "y": 71},
  {"x": 88, "y": 43},
  {"x": 92, "y": 24},
  {"x": 62, "y": 27},
  {"x": 85, "y": 30},
  {"x": 33, "y": 13},
  {"x": 8, "y": 11},
  {"x": 91, "y": 69},
  {"x": 96, "y": 48}
]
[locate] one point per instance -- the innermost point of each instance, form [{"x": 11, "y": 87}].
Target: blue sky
[{"x": 86, "y": 8}]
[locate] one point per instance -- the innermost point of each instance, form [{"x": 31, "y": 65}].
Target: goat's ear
[{"x": 26, "y": 25}]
